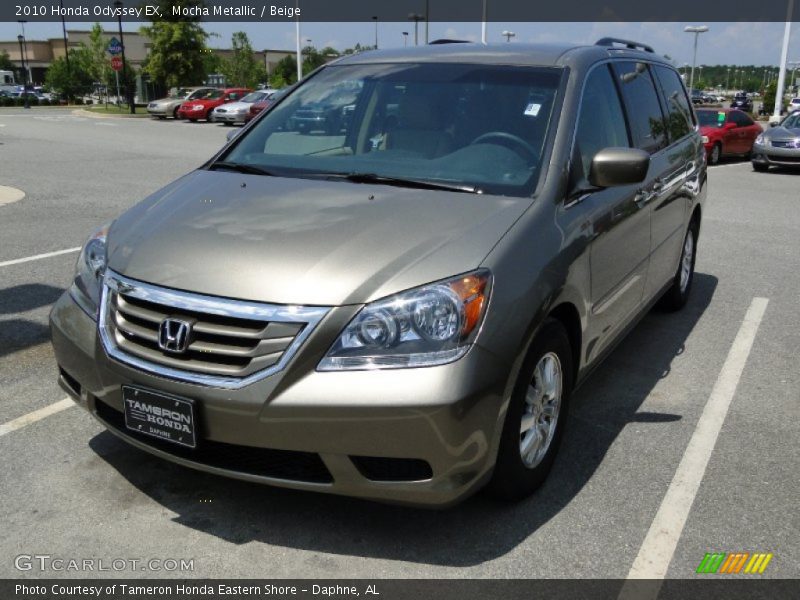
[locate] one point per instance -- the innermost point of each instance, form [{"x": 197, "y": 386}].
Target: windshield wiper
[
  {"x": 402, "y": 182},
  {"x": 241, "y": 168}
]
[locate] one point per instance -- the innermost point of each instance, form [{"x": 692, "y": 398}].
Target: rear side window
[
  {"x": 601, "y": 123},
  {"x": 644, "y": 110},
  {"x": 741, "y": 119},
  {"x": 679, "y": 112}
]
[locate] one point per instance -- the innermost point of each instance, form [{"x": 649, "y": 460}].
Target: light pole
[
  {"x": 128, "y": 91},
  {"x": 700, "y": 78},
  {"x": 298, "y": 55},
  {"x": 508, "y": 35},
  {"x": 21, "y": 40},
  {"x": 696, "y": 30},
  {"x": 405, "y": 39},
  {"x": 787, "y": 33},
  {"x": 416, "y": 17},
  {"x": 375, "y": 18}
]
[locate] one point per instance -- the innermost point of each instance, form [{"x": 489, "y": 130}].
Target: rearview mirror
[{"x": 618, "y": 166}]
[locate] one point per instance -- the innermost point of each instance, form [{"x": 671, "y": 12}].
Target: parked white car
[{"x": 234, "y": 112}]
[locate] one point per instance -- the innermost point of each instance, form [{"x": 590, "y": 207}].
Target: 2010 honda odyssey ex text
[{"x": 396, "y": 299}]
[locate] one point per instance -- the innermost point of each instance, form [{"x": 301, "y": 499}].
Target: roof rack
[
  {"x": 631, "y": 45},
  {"x": 447, "y": 41}
]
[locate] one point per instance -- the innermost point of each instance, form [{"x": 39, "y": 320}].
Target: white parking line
[
  {"x": 34, "y": 416},
  {"x": 659, "y": 545},
  {"x": 18, "y": 261}
]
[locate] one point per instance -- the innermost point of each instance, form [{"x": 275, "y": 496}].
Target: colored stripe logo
[{"x": 733, "y": 563}]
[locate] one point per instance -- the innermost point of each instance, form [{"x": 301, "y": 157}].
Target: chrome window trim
[{"x": 310, "y": 315}]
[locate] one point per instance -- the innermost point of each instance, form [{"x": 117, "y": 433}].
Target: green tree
[
  {"x": 5, "y": 62},
  {"x": 284, "y": 73},
  {"x": 101, "y": 61},
  {"x": 242, "y": 69},
  {"x": 312, "y": 59},
  {"x": 75, "y": 80},
  {"x": 177, "y": 53}
]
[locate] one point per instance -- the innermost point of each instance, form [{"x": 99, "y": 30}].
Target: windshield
[
  {"x": 471, "y": 125},
  {"x": 792, "y": 122},
  {"x": 711, "y": 118},
  {"x": 212, "y": 95},
  {"x": 254, "y": 97}
]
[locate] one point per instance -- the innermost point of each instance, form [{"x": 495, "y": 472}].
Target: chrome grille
[
  {"x": 786, "y": 143},
  {"x": 233, "y": 342}
]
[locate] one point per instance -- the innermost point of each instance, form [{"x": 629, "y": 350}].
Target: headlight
[
  {"x": 426, "y": 326},
  {"x": 761, "y": 140},
  {"x": 89, "y": 271},
  {"x": 704, "y": 139}
]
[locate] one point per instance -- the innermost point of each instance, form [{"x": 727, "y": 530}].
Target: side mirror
[
  {"x": 774, "y": 124},
  {"x": 232, "y": 134},
  {"x": 618, "y": 166}
]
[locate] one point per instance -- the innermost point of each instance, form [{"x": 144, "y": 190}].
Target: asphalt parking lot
[{"x": 72, "y": 490}]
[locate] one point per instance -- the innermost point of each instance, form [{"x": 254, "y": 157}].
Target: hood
[
  {"x": 234, "y": 106},
  {"x": 297, "y": 241},
  {"x": 166, "y": 100},
  {"x": 782, "y": 133}
]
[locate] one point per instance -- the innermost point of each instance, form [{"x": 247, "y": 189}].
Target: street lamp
[
  {"x": 508, "y": 35},
  {"x": 128, "y": 91},
  {"x": 696, "y": 30},
  {"x": 416, "y": 17},
  {"x": 21, "y": 40},
  {"x": 375, "y": 18},
  {"x": 405, "y": 39}
]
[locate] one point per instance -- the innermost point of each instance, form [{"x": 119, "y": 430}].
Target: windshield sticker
[
  {"x": 721, "y": 117},
  {"x": 532, "y": 110}
]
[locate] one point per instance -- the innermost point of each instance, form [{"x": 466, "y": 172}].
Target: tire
[
  {"x": 515, "y": 477},
  {"x": 715, "y": 154},
  {"x": 160, "y": 118},
  {"x": 678, "y": 293},
  {"x": 760, "y": 167},
  {"x": 175, "y": 114}
]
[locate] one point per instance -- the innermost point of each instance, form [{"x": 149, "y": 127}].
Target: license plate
[{"x": 159, "y": 415}]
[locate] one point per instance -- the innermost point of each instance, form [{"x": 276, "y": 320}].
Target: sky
[{"x": 726, "y": 43}]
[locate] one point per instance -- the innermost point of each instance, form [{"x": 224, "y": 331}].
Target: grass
[{"x": 116, "y": 111}]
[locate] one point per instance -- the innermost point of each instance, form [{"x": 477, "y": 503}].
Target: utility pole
[
  {"x": 784, "y": 57},
  {"x": 696, "y": 30}
]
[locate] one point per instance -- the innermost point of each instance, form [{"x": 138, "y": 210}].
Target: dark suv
[
  {"x": 397, "y": 301},
  {"x": 742, "y": 102}
]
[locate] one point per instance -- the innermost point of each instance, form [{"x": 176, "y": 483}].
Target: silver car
[
  {"x": 398, "y": 307},
  {"x": 168, "y": 107},
  {"x": 778, "y": 146},
  {"x": 235, "y": 112}
]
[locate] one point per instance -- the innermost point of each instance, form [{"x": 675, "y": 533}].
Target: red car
[
  {"x": 201, "y": 108},
  {"x": 727, "y": 132}
]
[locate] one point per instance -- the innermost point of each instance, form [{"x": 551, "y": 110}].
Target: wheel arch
[{"x": 567, "y": 314}]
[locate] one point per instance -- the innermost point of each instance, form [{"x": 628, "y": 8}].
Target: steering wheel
[{"x": 511, "y": 141}]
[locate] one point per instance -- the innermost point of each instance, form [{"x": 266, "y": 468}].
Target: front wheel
[
  {"x": 536, "y": 416},
  {"x": 760, "y": 167},
  {"x": 678, "y": 294},
  {"x": 715, "y": 154}
]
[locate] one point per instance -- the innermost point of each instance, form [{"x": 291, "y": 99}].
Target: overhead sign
[
  {"x": 116, "y": 63},
  {"x": 114, "y": 46}
]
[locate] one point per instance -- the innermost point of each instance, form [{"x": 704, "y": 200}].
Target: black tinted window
[
  {"x": 679, "y": 113},
  {"x": 601, "y": 123},
  {"x": 741, "y": 119},
  {"x": 644, "y": 110}
]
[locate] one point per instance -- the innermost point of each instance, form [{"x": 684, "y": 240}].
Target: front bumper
[
  {"x": 425, "y": 437},
  {"x": 229, "y": 117},
  {"x": 770, "y": 155}
]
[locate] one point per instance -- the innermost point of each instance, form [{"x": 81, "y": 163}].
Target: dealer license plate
[{"x": 159, "y": 415}]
